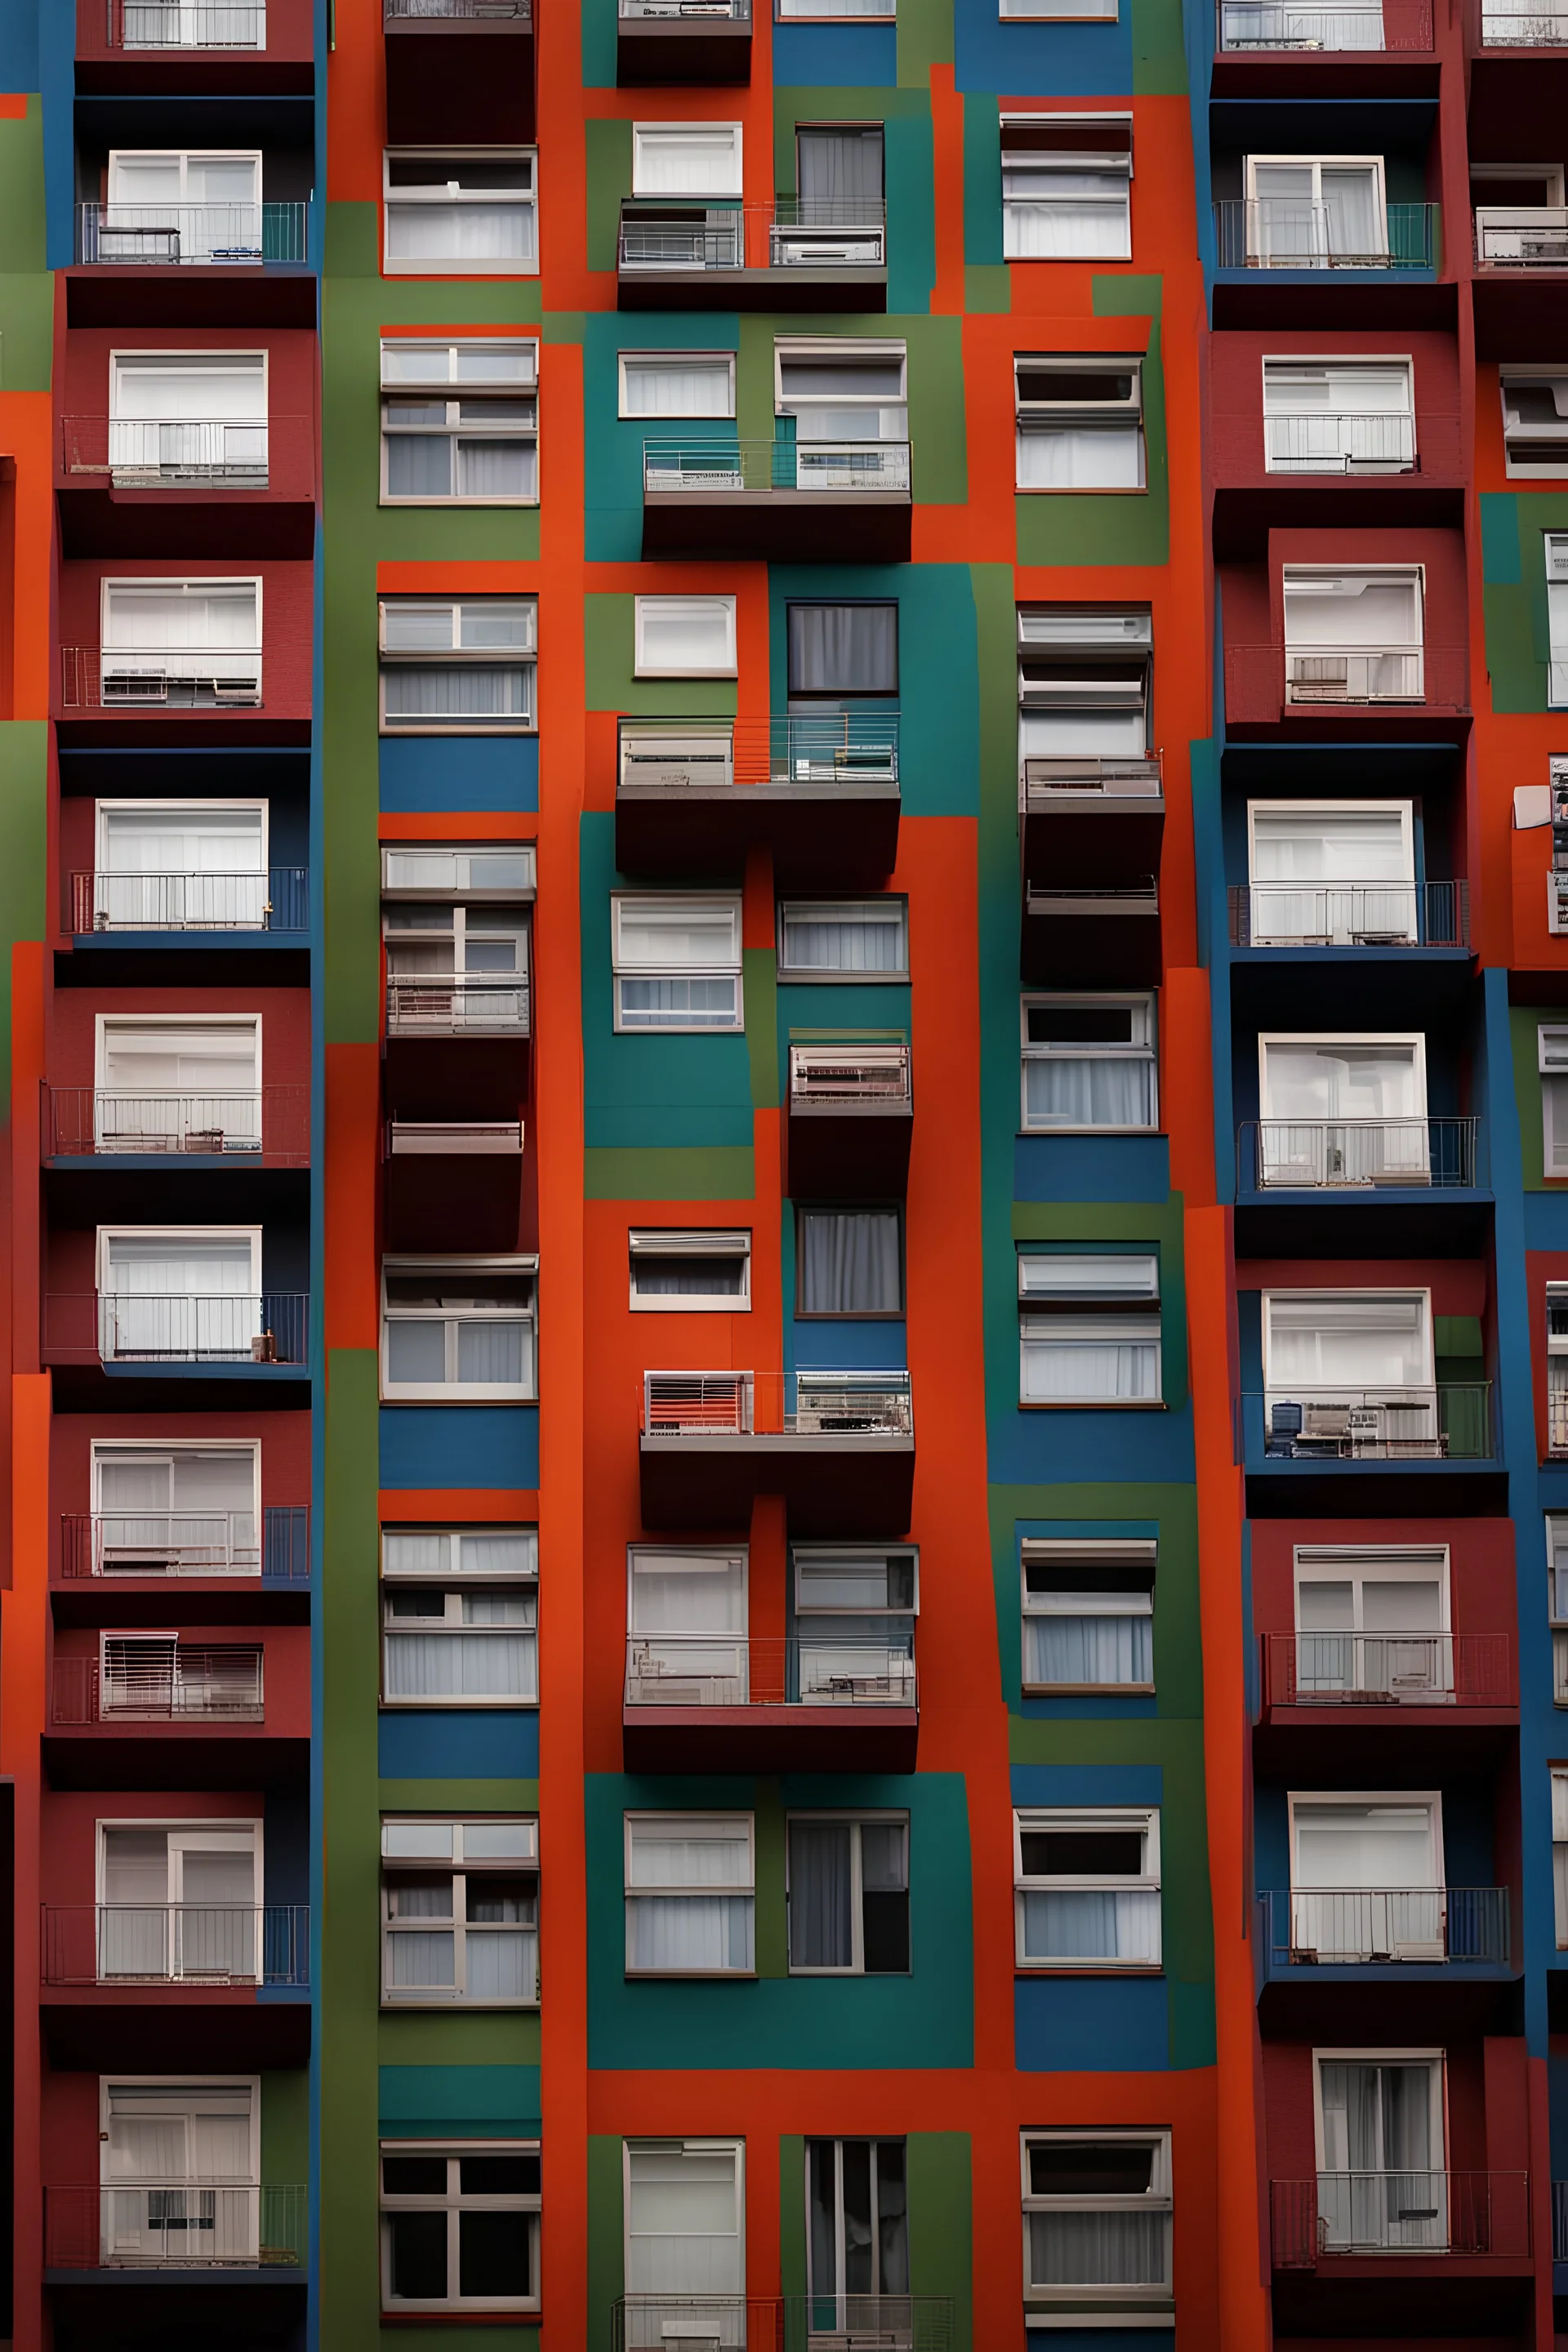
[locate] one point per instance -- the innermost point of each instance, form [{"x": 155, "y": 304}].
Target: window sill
[
  {"x": 438, "y": 269},
  {"x": 463, "y": 1396},
  {"x": 1092, "y": 1404},
  {"x": 1078, "y": 1969},
  {"x": 843, "y": 979},
  {"x": 388, "y": 501},
  {"x": 690, "y": 1306},
  {"x": 1082, "y": 490},
  {"x": 1088, "y": 1690},
  {"x": 391, "y": 733},
  {"x": 692, "y": 1976},
  {"x": 441, "y": 2314},
  {"x": 1036, "y": 1132},
  {"x": 414, "y": 1706},
  {"x": 458, "y": 2008}
]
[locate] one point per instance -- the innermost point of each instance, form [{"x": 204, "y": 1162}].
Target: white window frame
[
  {"x": 1408, "y": 650},
  {"x": 456, "y": 887},
  {"x": 1157, "y": 2199},
  {"x": 454, "y": 1392},
  {"x": 441, "y": 1998},
  {"x": 1113, "y": 158},
  {"x": 1311, "y": 258},
  {"x": 1560, "y": 1854},
  {"x": 645, "y": 2145},
  {"x": 454, "y": 2203},
  {"x": 523, "y": 658},
  {"x": 689, "y": 1822},
  {"x": 1415, "y": 1038},
  {"x": 849, "y": 910},
  {"x": 1431, "y": 1799},
  {"x": 176, "y": 1234},
  {"x": 1056, "y": 1318},
  {"x": 1141, "y": 1820},
  {"x": 453, "y": 1582},
  {"x": 1300, "y": 362},
  {"x": 525, "y": 196},
  {"x": 1037, "y": 417},
  {"x": 183, "y": 663},
  {"x": 622, "y": 969},
  {"x": 841, "y": 351},
  {"x": 1552, "y": 1062},
  {"x": 1145, "y": 1050},
  {"x": 807, "y": 1551},
  {"x": 658, "y": 1242},
  {"x": 107, "y": 1024},
  {"x": 118, "y": 806},
  {"x": 457, "y": 393},
  {"x": 1078, "y": 646},
  {"x": 861, "y": 1817},
  {"x": 1058, "y": 12},
  {"x": 163, "y": 1450},
  {"x": 1341, "y": 1297},
  {"x": 1130, "y": 1551},
  {"x": 648, "y": 137},
  {"x": 1522, "y": 467},
  {"x": 168, "y": 2081},
  {"x": 213, "y": 1826},
  {"x": 646, "y": 666},
  {"x": 676, "y": 361},
  {"x": 1555, "y": 550},
  {"x": 1358, "y": 1564},
  {"x": 1434, "y": 2059},
  {"x": 1404, "y": 809}
]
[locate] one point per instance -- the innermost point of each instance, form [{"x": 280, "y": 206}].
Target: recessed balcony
[
  {"x": 154, "y": 678},
  {"x": 144, "y": 1336},
  {"x": 838, "y": 1446},
  {"x": 200, "y": 48},
  {"x": 1267, "y": 28},
  {"x": 799, "y": 253},
  {"x": 1276, "y": 234},
  {"x": 172, "y": 1946},
  {"x": 155, "y": 1681},
  {"x": 459, "y": 71},
  {"x": 692, "y": 796},
  {"x": 245, "y": 235},
  {"x": 1359, "y": 1156},
  {"x": 1341, "y": 915},
  {"x": 729, "y": 1703},
  {"x": 687, "y": 41},
  {"x": 1419, "y": 1680},
  {"x": 457, "y": 1042},
  {"x": 820, "y": 2322},
  {"x": 1348, "y": 2224},
  {"x": 174, "y": 454},
  {"x": 123, "y": 1547},
  {"x": 430, "y": 1161},
  {"x": 268, "y": 1129},
  {"x": 783, "y": 501},
  {"x": 1407, "y": 1931},
  {"x": 1081, "y": 934},
  {"x": 851, "y": 1117},
  {"x": 129, "y": 908},
  {"x": 175, "y": 2224},
  {"x": 1407, "y": 683},
  {"x": 1326, "y": 1424}
]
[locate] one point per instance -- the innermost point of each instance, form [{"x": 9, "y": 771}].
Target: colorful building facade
[{"x": 788, "y": 1438}]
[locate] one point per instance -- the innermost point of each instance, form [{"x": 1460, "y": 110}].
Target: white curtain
[
  {"x": 1063, "y": 214},
  {"x": 424, "y": 691},
  {"x": 1098, "y": 2248},
  {"x": 461, "y": 1665},
  {"x": 675, "y": 387},
  {"x": 819, "y": 940},
  {"x": 1347, "y": 1343},
  {"x": 419, "y": 465},
  {"x": 1062, "y": 1648},
  {"x": 1383, "y": 2183},
  {"x": 1092, "y": 1924},
  {"x": 1080, "y": 455},
  {"x": 688, "y": 161},
  {"x": 493, "y": 469},
  {"x": 821, "y": 1926},
  {"x": 849, "y": 1262},
  {"x": 683, "y": 2222},
  {"x": 680, "y": 1935},
  {"x": 1079, "y": 1091},
  {"x": 469, "y": 232},
  {"x": 1108, "y": 1360},
  {"x": 496, "y": 1352}
]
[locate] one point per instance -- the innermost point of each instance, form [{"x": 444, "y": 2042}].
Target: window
[
  {"x": 1352, "y": 636},
  {"x": 689, "y": 1895},
  {"x": 176, "y": 1508},
  {"x": 1080, "y": 423},
  {"x": 457, "y": 1331},
  {"x": 1557, "y": 1602},
  {"x": 1328, "y": 1346},
  {"x": 1382, "y": 2186},
  {"x": 1343, "y": 1110},
  {"x": 678, "y": 383},
  {"x": 471, "y": 213},
  {"x": 1097, "y": 2217},
  {"x": 1088, "y": 1888},
  {"x": 1089, "y": 1063},
  {"x": 460, "y": 423},
  {"x": 686, "y": 159},
  {"x": 183, "y": 2160},
  {"x": 1067, "y": 12},
  {"x": 1557, "y": 619},
  {"x": 849, "y": 1262},
  {"x": 1077, "y": 1342},
  {"x": 686, "y": 1627},
  {"x": 1373, "y": 1620},
  {"x": 1089, "y": 1614},
  {"x": 842, "y": 650},
  {"x": 838, "y": 170},
  {"x": 838, "y": 391},
  {"x": 1066, "y": 187},
  {"x": 690, "y": 1273},
  {"x": 1557, "y": 1368},
  {"x": 190, "y": 1296},
  {"x": 187, "y": 417},
  {"x": 1084, "y": 677},
  {"x": 1331, "y": 873},
  {"x": 1366, "y": 1877},
  {"x": 844, "y": 938},
  {"x": 1560, "y": 1854},
  {"x": 460, "y": 1609},
  {"x": 854, "y": 1623},
  {"x": 452, "y": 666},
  {"x": 1306, "y": 212},
  {"x": 685, "y": 637},
  {"x": 176, "y": 865},
  {"x": 685, "y": 2235},
  {"x": 181, "y": 642},
  {"x": 453, "y": 964},
  {"x": 459, "y": 1912},
  {"x": 676, "y": 963},
  {"x": 1535, "y": 420},
  {"x": 848, "y": 1895},
  {"x": 1552, "y": 1060},
  {"x": 182, "y": 1901},
  {"x": 490, "y": 869},
  {"x": 831, "y": 11},
  {"x": 857, "y": 2231},
  {"x": 165, "y": 1083},
  {"x": 460, "y": 2226},
  {"x": 1338, "y": 416},
  {"x": 163, "y": 205}
]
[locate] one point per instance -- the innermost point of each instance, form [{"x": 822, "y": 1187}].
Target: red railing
[{"x": 1388, "y": 1670}]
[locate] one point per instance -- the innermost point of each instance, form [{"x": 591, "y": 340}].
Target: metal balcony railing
[
  {"x": 1141, "y": 899},
  {"x": 1350, "y": 914},
  {"x": 1559, "y": 2220},
  {"x": 706, "y": 1670},
  {"x": 1353, "y": 674},
  {"x": 1397, "y": 1421},
  {"x": 1346, "y": 1154},
  {"x": 173, "y": 2225},
  {"x": 217, "y": 235},
  {"x": 1438, "y": 2214},
  {"x": 844, "y": 748},
  {"x": 141, "y": 1681},
  {"x": 824, "y": 2323},
  {"x": 1266, "y": 25},
  {"x": 187, "y": 25},
  {"x": 176, "y": 1328},
  {"x": 94, "y": 1122},
  {"x": 128, "y": 1544},
  {"x": 435, "y": 1006},
  {"x": 1392, "y": 1669},
  {"x": 1344, "y": 1926},
  {"x": 1518, "y": 237},
  {"x": 400, "y": 11},
  {"x": 1338, "y": 442},
  {"x": 844, "y": 466},
  {"x": 1098, "y": 777},
  {"x": 873, "y": 1405},
  {"x": 1274, "y": 233},
  {"x": 1534, "y": 29},
  {"x": 176, "y": 1944},
  {"x": 142, "y": 677},
  {"x": 172, "y": 452},
  {"x": 277, "y": 899},
  {"x": 849, "y": 1077},
  {"x": 792, "y": 232}
]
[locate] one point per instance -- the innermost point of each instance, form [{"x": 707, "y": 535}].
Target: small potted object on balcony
[{"x": 264, "y": 1349}]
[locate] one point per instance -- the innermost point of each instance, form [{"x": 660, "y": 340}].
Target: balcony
[
  {"x": 1399, "y": 1424},
  {"x": 684, "y": 41},
  {"x": 1090, "y": 830},
  {"x": 121, "y": 1547},
  {"x": 1511, "y": 236},
  {"x": 457, "y": 1045},
  {"x": 161, "y": 26},
  {"x": 1431, "y": 1674},
  {"x": 799, "y": 253},
  {"x": 1270, "y": 28},
  {"x": 429, "y": 1162},
  {"x": 1358, "y": 1155},
  {"x": 1257, "y": 232},
  {"x": 824, "y": 2323},
  {"x": 259, "y": 1337},
  {"x": 851, "y": 1116},
  {"x": 838, "y": 1446},
  {"x": 1399, "y": 1929},
  {"x": 1530, "y": 28},
  {"x": 128, "y": 908},
  {"x": 460, "y": 72},
  {"x": 187, "y": 2224},
  {"x": 269, "y": 1127},
  {"x": 169, "y": 48},
  {"x": 154, "y": 678},
  {"x": 174, "y": 454},
  {"x": 696, "y": 1703},
  {"x": 1086, "y": 936},
  {"x": 1350, "y": 915},
  {"x": 214, "y": 236},
  {"x": 175, "y": 1944},
  {"x": 185, "y": 1684},
  {"x": 785, "y": 501},
  {"x": 693, "y": 796},
  {"x": 1328, "y": 2223},
  {"x": 1414, "y": 685}
]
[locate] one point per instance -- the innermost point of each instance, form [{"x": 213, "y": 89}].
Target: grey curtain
[
  {"x": 849, "y": 1262},
  {"x": 821, "y": 1933},
  {"x": 843, "y": 648},
  {"x": 842, "y": 168}
]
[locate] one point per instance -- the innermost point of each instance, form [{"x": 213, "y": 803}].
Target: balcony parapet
[
  {"x": 123, "y": 1546},
  {"x": 1387, "y": 1670},
  {"x": 692, "y": 795},
  {"x": 1437, "y": 2216},
  {"x": 269, "y": 1127},
  {"x": 436, "y": 1006},
  {"x": 1360, "y": 1927},
  {"x": 1350, "y": 915},
  {"x": 175, "y": 1944},
  {"x": 1360, "y": 1155},
  {"x": 839, "y": 1447},
  {"x": 189, "y": 2224},
  {"x": 186, "y": 1685}
]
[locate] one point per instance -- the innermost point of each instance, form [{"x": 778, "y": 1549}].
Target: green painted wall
[{"x": 1514, "y": 524}]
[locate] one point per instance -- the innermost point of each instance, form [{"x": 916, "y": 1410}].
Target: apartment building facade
[{"x": 785, "y": 797}]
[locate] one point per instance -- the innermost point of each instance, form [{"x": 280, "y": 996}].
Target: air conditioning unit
[{"x": 1557, "y": 905}]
